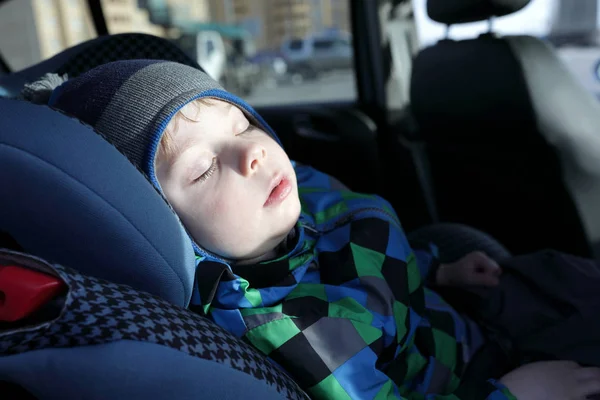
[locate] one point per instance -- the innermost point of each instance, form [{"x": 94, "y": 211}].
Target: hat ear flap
[{"x": 40, "y": 91}]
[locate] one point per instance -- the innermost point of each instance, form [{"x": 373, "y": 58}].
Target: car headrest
[
  {"x": 451, "y": 12},
  {"x": 92, "y": 53},
  {"x": 70, "y": 197}
]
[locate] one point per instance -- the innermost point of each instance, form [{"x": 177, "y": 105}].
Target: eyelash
[
  {"x": 211, "y": 170},
  {"x": 213, "y": 167},
  {"x": 249, "y": 129}
]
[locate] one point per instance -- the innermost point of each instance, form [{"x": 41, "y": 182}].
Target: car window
[
  {"x": 535, "y": 19},
  {"x": 31, "y": 31},
  {"x": 571, "y": 26},
  {"x": 263, "y": 55},
  {"x": 274, "y": 65},
  {"x": 243, "y": 40}
]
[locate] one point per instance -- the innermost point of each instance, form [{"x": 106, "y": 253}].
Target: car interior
[
  {"x": 497, "y": 136},
  {"x": 512, "y": 154}
]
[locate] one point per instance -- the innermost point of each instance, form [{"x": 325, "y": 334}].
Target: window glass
[
  {"x": 34, "y": 30},
  {"x": 263, "y": 50}
]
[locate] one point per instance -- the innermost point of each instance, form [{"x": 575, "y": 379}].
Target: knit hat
[{"x": 130, "y": 102}]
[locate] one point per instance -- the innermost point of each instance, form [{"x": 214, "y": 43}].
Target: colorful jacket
[{"x": 345, "y": 312}]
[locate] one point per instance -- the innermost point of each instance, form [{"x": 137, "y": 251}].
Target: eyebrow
[{"x": 179, "y": 150}]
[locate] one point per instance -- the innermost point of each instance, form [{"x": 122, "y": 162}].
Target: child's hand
[
  {"x": 553, "y": 380},
  {"x": 473, "y": 269}
]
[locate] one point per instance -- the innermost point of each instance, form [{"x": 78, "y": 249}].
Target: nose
[{"x": 252, "y": 157}]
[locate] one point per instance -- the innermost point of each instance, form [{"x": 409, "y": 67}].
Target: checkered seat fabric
[{"x": 96, "y": 312}]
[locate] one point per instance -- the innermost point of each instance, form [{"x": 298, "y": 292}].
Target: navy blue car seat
[
  {"x": 85, "y": 56},
  {"x": 120, "y": 328}
]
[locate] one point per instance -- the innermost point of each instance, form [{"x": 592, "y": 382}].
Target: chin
[
  {"x": 292, "y": 212},
  {"x": 285, "y": 222}
]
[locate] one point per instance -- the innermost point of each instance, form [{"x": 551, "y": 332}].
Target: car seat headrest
[
  {"x": 70, "y": 197},
  {"x": 451, "y": 12},
  {"x": 87, "y": 55}
]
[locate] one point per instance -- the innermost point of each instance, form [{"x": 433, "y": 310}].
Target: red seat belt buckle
[{"x": 24, "y": 291}]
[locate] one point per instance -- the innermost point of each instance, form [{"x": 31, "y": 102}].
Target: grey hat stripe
[{"x": 152, "y": 94}]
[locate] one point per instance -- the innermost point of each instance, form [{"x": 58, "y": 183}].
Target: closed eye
[
  {"x": 207, "y": 174},
  {"x": 249, "y": 129}
]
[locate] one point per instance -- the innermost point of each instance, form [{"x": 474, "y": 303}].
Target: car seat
[
  {"x": 85, "y": 56},
  {"x": 72, "y": 199},
  {"x": 512, "y": 138}
]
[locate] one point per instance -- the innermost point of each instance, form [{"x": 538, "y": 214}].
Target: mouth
[{"x": 281, "y": 187}]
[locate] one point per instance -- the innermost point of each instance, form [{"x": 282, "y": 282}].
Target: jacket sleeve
[
  {"x": 426, "y": 255},
  {"x": 380, "y": 387},
  {"x": 490, "y": 390}
]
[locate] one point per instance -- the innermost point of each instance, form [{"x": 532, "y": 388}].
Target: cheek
[
  {"x": 224, "y": 217},
  {"x": 228, "y": 204},
  {"x": 277, "y": 153}
]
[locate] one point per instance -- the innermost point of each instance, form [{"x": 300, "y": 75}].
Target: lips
[{"x": 281, "y": 188}]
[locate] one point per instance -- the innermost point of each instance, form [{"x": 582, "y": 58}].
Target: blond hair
[{"x": 166, "y": 147}]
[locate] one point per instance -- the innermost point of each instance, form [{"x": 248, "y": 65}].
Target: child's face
[{"x": 231, "y": 184}]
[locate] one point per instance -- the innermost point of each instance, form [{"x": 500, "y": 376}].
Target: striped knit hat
[{"x": 131, "y": 102}]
